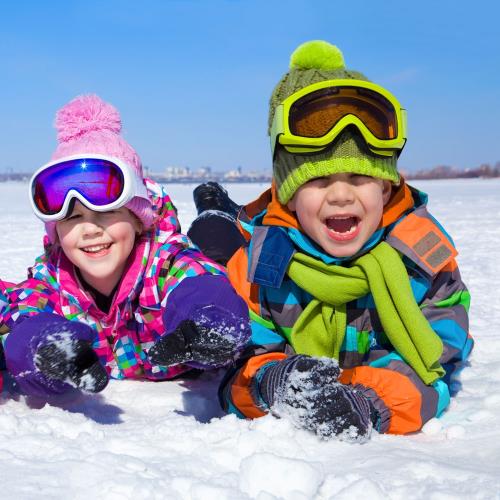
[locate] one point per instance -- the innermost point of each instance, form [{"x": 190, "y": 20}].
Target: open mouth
[
  {"x": 342, "y": 224},
  {"x": 343, "y": 227},
  {"x": 95, "y": 249}
]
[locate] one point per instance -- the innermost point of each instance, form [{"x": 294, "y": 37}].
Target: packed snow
[{"x": 171, "y": 440}]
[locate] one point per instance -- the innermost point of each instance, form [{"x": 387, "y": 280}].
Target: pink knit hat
[{"x": 88, "y": 125}]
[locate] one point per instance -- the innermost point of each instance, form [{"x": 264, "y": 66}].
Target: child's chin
[
  {"x": 342, "y": 251},
  {"x": 98, "y": 273}
]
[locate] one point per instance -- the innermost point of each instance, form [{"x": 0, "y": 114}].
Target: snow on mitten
[
  {"x": 194, "y": 342},
  {"x": 305, "y": 389},
  {"x": 49, "y": 355},
  {"x": 72, "y": 361}
]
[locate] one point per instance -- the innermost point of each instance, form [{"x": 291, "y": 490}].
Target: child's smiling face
[
  {"x": 340, "y": 212},
  {"x": 98, "y": 243}
]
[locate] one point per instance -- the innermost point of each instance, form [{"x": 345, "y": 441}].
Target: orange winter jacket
[{"x": 258, "y": 272}]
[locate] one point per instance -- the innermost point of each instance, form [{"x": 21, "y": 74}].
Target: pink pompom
[{"x": 84, "y": 114}]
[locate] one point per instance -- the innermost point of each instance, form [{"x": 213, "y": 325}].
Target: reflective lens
[
  {"x": 101, "y": 182},
  {"x": 315, "y": 114}
]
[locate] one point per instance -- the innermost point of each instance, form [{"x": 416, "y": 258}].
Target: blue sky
[{"x": 192, "y": 79}]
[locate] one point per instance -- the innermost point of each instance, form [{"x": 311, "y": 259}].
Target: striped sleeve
[
  {"x": 28, "y": 298},
  {"x": 4, "y": 306},
  {"x": 403, "y": 402},
  {"x": 446, "y": 307},
  {"x": 238, "y": 392}
]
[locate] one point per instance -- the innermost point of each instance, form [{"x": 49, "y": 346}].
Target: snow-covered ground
[{"x": 170, "y": 440}]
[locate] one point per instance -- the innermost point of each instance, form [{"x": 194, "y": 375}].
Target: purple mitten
[
  {"x": 207, "y": 324},
  {"x": 49, "y": 355}
]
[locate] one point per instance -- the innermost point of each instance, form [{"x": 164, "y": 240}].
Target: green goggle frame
[{"x": 332, "y": 105}]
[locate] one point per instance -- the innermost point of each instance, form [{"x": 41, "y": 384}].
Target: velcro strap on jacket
[{"x": 419, "y": 237}]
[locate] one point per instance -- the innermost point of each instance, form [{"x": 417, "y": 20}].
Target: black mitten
[
  {"x": 193, "y": 342},
  {"x": 206, "y": 324},
  {"x": 306, "y": 390},
  {"x": 72, "y": 361}
]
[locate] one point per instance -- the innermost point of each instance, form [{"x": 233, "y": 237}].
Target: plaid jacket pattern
[{"x": 161, "y": 259}]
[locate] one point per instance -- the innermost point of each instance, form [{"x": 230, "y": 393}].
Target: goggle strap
[{"x": 277, "y": 127}]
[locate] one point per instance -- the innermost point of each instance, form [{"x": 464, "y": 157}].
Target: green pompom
[{"x": 317, "y": 54}]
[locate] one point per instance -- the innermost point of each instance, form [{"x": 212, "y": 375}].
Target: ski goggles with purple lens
[{"x": 101, "y": 183}]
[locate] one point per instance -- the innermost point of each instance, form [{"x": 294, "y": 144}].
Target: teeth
[
  {"x": 350, "y": 230},
  {"x": 96, "y": 248}
]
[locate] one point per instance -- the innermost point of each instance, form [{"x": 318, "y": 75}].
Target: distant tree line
[
  {"x": 440, "y": 172},
  {"x": 446, "y": 172}
]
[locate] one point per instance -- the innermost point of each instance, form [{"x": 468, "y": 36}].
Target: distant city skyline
[
  {"x": 184, "y": 174},
  {"x": 171, "y": 171},
  {"x": 192, "y": 78}
]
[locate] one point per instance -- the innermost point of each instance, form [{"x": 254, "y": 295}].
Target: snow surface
[{"x": 170, "y": 439}]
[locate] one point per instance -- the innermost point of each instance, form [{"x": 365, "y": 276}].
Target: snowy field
[{"x": 169, "y": 440}]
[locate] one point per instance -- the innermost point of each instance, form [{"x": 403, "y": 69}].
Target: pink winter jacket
[{"x": 161, "y": 259}]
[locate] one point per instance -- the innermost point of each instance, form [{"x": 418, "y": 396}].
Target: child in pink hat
[{"x": 119, "y": 291}]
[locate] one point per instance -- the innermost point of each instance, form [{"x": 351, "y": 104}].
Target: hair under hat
[
  {"x": 313, "y": 62},
  {"x": 89, "y": 125}
]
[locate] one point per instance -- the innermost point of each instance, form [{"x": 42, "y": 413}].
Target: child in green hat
[{"x": 359, "y": 314}]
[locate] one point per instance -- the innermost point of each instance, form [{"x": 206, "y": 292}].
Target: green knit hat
[{"x": 313, "y": 62}]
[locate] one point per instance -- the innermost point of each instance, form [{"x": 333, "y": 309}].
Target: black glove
[
  {"x": 306, "y": 390},
  {"x": 72, "y": 361},
  {"x": 192, "y": 342}
]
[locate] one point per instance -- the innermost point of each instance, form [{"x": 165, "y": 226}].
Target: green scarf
[{"x": 320, "y": 329}]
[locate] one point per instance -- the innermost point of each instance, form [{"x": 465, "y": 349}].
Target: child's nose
[
  {"x": 91, "y": 226},
  {"x": 340, "y": 193}
]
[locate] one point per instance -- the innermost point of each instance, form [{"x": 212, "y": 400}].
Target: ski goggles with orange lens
[
  {"x": 99, "y": 182},
  {"x": 310, "y": 119}
]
